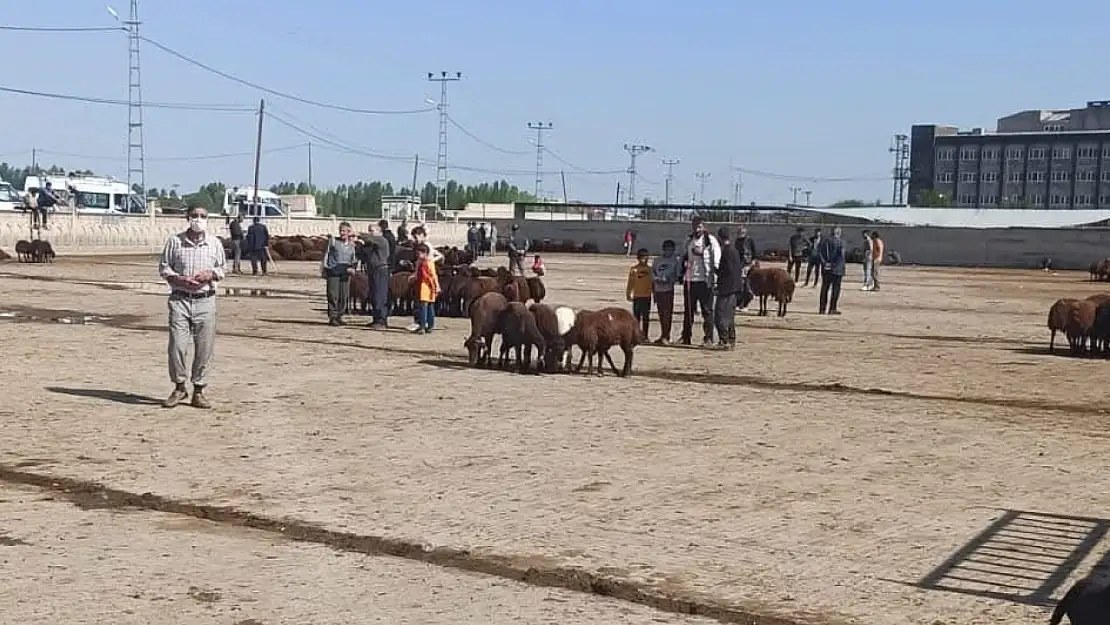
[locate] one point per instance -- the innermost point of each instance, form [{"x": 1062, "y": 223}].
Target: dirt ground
[{"x": 822, "y": 473}]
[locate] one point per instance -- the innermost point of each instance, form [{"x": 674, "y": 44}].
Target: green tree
[
  {"x": 848, "y": 204},
  {"x": 931, "y": 198}
]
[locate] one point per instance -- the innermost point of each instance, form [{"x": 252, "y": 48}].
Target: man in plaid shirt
[{"x": 192, "y": 263}]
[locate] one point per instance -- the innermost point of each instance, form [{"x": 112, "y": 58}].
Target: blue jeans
[
  {"x": 426, "y": 315},
  {"x": 867, "y": 272}
]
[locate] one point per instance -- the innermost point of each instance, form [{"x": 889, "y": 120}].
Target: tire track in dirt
[{"x": 89, "y": 495}]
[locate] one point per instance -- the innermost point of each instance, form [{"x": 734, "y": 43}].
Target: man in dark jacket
[
  {"x": 472, "y": 239},
  {"x": 235, "y": 227},
  {"x": 814, "y": 266},
  {"x": 797, "y": 252},
  {"x": 730, "y": 283},
  {"x": 257, "y": 243},
  {"x": 387, "y": 234},
  {"x": 745, "y": 246},
  {"x": 483, "y": 238},
  {"x": 830, "y": 253},
  {"x": 377, "y": 251},
  {"x": 518, "y": 247}
]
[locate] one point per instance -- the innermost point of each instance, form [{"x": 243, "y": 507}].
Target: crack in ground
[{"x": 89, "y": 495}]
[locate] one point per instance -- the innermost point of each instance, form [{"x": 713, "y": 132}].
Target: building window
[
  {"x": 968, "y": 154},
  {"x": 969, "y": 176},
  {"x": 1106, "y": 152},
  {"x": 1083, "y": 200},
  {"x": 1061, "y": 151},
  {"x": 1013, "y": 154},
  {"x": 1106, "y": 176},
  {"x": 1060, "y": 176},
  {"x": 1036, "y": 176},
  {"x": 1104, "y": 200},
  {"x": 1059, "y": 200},
  {"x": 990, "y": 176},
  {"x": 990, "y": 154},
  {"x": 965, "y": 198},
  {"x": 1038, "y": 200},
  {"x": 1085, "y": 176},
  {"x": 1087, "y": 152},
  {"x": 945, "y": 177},
  {"x": 1013, "y": 200},
  {"x": 1015, "y": 176},
  {"x": 989, "y": 200},
  {"x": 946, "y": 154},
  {"x": 1036, "y": 154},
  {"x": 1053, "y": 127}
]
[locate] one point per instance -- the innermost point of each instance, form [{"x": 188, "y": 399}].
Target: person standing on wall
[
  {"x": 257, "y": 243},
  {"x": 830, "y": 254},
  {"x": 483, "y": 238},
  {"x": 492, "y": 239},
  {"x": 336, "y": 268},
  {"x": 235, "y": 228},
  {"x": 192, "y": 263},
  {"x": 473, "y": 239},
  {"x": 703, "y": 257},
  {"x": 45, "y": 202}
]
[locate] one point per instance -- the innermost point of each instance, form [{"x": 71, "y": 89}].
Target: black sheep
[
  {"x": 520, "y": 333},
  {"x": 1085, "y": 603}
]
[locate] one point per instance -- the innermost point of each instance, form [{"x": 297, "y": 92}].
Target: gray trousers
[
  {"x": 236, "y": 255},
  {"x": 338, "y": 288},
  {"x": 875, "y": 274},
  {"x": 192, "y": 323},
  {"x": 724, "y": 315}
]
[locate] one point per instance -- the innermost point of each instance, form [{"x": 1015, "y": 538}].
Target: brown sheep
[
  {"x": 519, "y": 288},
  {"x": 1081, "y": 318},
  {"x": 771, "y": 282},
  {"x": 1058, "y": 316},
  {"x": 520, "y": 333},
  {"x": 42, "y": 251},
  {"x": 485, "y": 317},
  {"x": 595, "y": 332},
  {"x": 359, "y": 298},
  {"x": 401, "y": 293},
  {"x": 475, "y": 289},
  {"x": 536, "y": 290},
  {"x": 503, "y": 276},
  {"x": 23, "y": 251}
]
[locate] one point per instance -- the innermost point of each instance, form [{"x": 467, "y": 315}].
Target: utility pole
[
  {"x": 669, "y": 163},
  {"x": 310, "y": 167},
  {"x": 809, "y": 194},
  {"x": 634, "y": 151},
  {"x": 795, "y": 190},
  {"x": 702, "y": 177},
  {"x": 901, "y": 174},
  {"x": 737, "y": 189},
  {"x": 136, "y": 157},
  {"x": 34, "y": 160},
  {"x": 539, "y": 127},
  {"x": 258, "y": 157},
  {"x": 441, "y": 157}
]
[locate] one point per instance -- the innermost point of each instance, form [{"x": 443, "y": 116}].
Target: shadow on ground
[{"x": 119, "y": 397}]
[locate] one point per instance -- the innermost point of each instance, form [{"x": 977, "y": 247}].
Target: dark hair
[
  {"x": 800, "y": 229},
  {"x": 344, "y": 224},
  {"x": 643, "y": 251},
  {"x": 257, "y": 219},
  {"x": 722, "y": 234},
  {"x": 866, "y": 232},
  {"x": 423, "y": 249},
  {"x": 419, "y": 230},
  {"x": 697, "y": 220},
  {"x": 669, "y": 243},
  {"x": 874, "y": 234},
  {"x": 383, "y": 224}
]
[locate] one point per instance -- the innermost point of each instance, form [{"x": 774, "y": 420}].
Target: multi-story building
[{"x": 1035, "y": 159}]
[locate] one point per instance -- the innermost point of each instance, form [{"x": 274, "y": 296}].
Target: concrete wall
[
  {"x": 138, "y": 234},
  {"x": 1072, "y": 248}
]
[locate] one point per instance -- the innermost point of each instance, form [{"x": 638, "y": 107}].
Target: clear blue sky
[{"x": 810, "y": 89}]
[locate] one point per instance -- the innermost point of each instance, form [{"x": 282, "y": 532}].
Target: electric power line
[
  {"x": 279, "y": 94},
  {"x": 198, "y": 157},
  {"x": 813, "y": 179},
  {"x": 212, "y": 108},
  {"x": 582, "y": 170},
  {"x": 60, "y": 29},
  {"x": 482, "y": 141}
]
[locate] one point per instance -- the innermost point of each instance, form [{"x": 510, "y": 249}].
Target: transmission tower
[
  {"x": 901, "y": 174},
  {"x": 669, "y": 163},
  {"x": 540, "y": 128},
  {"x": 443, "y": 79},
  {"x": 136, "y": 156},
  {"x": 633, "y": 152},
  {"x": 703, "y": 177}
]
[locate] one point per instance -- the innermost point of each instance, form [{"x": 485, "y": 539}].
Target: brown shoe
[
  {"x": 199, "y": 400},
  {"x": 176, "y": 397}
]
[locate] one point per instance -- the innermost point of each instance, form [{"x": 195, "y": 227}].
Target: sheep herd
[
  {"x": 1085, "y": 323},
  {"x": 37, "y": 251}
]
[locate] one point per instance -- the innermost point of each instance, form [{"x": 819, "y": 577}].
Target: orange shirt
[
  {"x": 427, "y": 282},
  {"x": 639, "y": 281}
]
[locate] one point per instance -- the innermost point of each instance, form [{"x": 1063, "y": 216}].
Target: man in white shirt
[{"x": 702, "y": 259}]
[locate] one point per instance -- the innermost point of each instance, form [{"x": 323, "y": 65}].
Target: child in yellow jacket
[
  {"x": 427, "y": 290},
  {"x": 638, "y": 290}
]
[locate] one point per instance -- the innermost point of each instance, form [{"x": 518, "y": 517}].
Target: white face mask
[{"x": 198, "y": 224}]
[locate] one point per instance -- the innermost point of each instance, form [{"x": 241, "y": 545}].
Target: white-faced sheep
[
  {"x": 553, "y": 324},
  {"x": 485, "y": 317}
]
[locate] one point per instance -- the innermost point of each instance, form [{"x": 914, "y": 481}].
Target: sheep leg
[
  {"x": 612, "y": 365},
  {"x": 1052, "y": 342},
  {"x": 627, "y": 370},
  {"x": 782, "y": 308},
  {"x": 519, "y": 352},
  {"x": 581, "y": 360}
]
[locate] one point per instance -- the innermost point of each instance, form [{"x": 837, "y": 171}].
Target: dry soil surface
[{"x": 897, "y": 464}]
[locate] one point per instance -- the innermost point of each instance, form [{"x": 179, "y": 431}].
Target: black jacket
[
  {"x": 730, "y": 272},
  {"x": 236, "y": 229},
  {"x": 392, "y": 240},
  {"x": 746, "y": 247}
]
